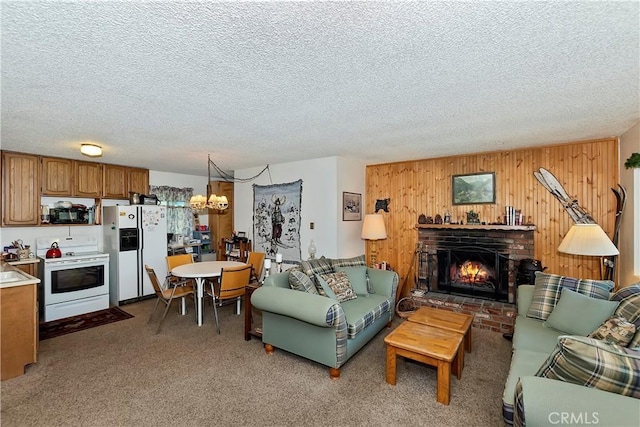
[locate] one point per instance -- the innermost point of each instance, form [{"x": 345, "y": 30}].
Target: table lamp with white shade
[
  {"x": 373, "y": 229},
  {"x": 588, "y": 240}
]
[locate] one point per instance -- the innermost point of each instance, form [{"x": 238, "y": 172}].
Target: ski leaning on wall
[
  {"x": 573, "y": 208},
  {"x": 580, "y": 215}
]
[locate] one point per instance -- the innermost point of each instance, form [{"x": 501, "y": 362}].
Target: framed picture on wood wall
[
  {"x": 351, "y": 206},
  {"x": 473, "y": 188}
]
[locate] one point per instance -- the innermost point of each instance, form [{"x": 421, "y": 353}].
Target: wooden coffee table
[
  {"x": 445, "y": 319},
  {"x": 430, "y": 345}
]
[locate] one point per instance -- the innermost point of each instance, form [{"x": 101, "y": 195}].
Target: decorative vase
[{"x": 312, "y": 250}]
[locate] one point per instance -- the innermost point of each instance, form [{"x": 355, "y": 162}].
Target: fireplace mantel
[{"x": 476, "y": 227}]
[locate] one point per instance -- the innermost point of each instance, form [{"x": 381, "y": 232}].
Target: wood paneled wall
[{"x": 587, "y": 170}]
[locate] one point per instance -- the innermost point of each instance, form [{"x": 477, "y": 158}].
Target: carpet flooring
[
  {"x": 81, "y": 322},
  {"x": 123, "y": 374}
]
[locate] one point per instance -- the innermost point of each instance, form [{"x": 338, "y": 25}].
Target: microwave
[{"x": 69, "y": 216}]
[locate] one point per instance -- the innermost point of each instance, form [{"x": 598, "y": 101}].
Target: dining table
[{"x": 199, "y": 271}]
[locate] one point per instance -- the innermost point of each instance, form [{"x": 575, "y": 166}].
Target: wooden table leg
[
  {"x": 444, "y": 374},
  {"x": 458, "y": 362},
  {"x": 391, "y": 365}
]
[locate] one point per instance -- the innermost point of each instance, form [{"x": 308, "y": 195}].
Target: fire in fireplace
[{"x": 475, "y": 271}]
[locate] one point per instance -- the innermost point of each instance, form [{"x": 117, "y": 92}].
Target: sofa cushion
[
  {"x": 523, "y": 363},
  {"x": 547, "y": 292},
  {"x": 615, "y": 330},
  {"x": 528, "y": 334},
  {"x": 577, "y": 314},
  {"x": 339, "y": 284},
  {"x": 312, "y": 267},
  {"x": 348, "y": 262},
  {"x": 357, "y": 277},
  {"x": 362, "y": 312},
  {"x": 301, "y": 282},
  {"x": 629, "y": 308},
  {"x": 594, "y": 363}
]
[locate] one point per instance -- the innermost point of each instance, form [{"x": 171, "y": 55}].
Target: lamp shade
[
  {"x": 589, "y": 240},
  {"x": 373, "y": 227}
]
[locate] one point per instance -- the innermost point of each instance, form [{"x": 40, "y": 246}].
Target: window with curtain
[{"x": 179, "y": 213}]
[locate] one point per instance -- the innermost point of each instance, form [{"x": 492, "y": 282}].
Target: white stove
[
  {"x": 72, "y": 249},
  {"x": 75, "y": 283}
]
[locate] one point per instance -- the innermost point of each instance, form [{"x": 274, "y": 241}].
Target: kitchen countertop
[
  {"x": 24, "y": 261},
  {"x": 27, "y": 279}
]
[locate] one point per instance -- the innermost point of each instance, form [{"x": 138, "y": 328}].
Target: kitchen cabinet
[
  {"x": 70, "y": 178},
  {"x": 20, "y": 189},
  {"x": 138, "y": 180},
  {"x": 115, "y": 182},
  {"x": 87, "y": 179},
  {"x": 19, "y": 327},
  {"x": 57, "y": 176}
]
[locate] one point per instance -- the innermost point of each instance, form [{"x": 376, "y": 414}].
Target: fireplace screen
[{"x": 474, "y": 271}]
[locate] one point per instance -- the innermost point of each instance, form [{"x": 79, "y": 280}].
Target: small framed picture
[
  {"x": 473, "y": 188},
  {"x": 351, "y": 206}
]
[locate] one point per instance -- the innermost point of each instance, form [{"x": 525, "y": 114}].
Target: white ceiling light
[{"x": 91, "y": 150}]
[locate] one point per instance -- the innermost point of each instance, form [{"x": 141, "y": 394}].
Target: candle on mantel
[{"x": 278, "y": 258}]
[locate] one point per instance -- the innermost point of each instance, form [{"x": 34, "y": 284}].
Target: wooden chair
[
  {"x": 256, "y": 261},
  {"x": 166, "y": 295},
  {"x": 232, "y": 284}
]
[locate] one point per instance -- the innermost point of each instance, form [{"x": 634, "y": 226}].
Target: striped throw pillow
[
  {"x": 548, "y": 288},
  {"x": 594, "y": 363}
]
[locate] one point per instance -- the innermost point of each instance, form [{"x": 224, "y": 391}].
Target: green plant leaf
[{"x": 633, "y": 161}]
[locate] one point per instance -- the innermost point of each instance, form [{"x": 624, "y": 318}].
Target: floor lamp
[
  {"x": 373, "y": 229},
  {"x": 588, "y": 240}
]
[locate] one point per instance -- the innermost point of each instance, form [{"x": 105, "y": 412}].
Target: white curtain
[{"x": 179, "y": 213}]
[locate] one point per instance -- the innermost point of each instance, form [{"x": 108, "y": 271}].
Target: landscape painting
[{"x": 472, "y": 189}]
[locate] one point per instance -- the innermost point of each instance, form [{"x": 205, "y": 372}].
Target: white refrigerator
[{"x": 134, "y": 236}]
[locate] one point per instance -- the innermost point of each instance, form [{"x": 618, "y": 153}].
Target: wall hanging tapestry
[{"x": 276, "y": 219}]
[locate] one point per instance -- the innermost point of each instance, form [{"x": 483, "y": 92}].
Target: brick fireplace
[{"x": 478, "y": 261}]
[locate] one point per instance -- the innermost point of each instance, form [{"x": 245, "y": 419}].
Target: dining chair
[
  {"x": 167, "y": 294},
  {"x": 174, "y": 261},
  {"x": 256, "y": 261},
  {"x": 231, "y": 285}
]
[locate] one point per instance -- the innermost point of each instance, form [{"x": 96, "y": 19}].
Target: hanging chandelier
[
  {"x": 220, "y": 203},
  {"x": 200, "y": 202}
]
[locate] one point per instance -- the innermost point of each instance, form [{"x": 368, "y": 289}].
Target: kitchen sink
[{"x": 11, "y": 276}]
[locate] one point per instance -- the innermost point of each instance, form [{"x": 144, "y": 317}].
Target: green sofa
[
  {"x": 319, "y": 327},
  {"x": 582, "y": 394}
]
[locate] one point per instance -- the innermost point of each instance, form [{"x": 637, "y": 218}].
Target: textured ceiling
[{"x": 162, "y": 84}]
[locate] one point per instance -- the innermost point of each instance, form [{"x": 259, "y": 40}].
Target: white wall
[
  {"x": 629, "y": 241},
  {"x": 351, "y": 178},
  {"x": 30, "y": 234},
  {"x": 323, "y": 181}
]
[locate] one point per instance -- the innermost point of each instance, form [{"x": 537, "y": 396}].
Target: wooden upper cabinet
[
  {"x": 139, "y": 180},
  {"x": 115, "y": 182},
  {"x": 57, "y": 176},
  {"x": 20, "y": 178},
  {"x": 88, "y": 179}
]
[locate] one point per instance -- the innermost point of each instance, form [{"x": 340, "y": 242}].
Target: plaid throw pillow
[
  {"x": 299, "y": 281},
  {"x": 317, "y": 266},
  {"x": 549, "y": 286},
  {"x": 594, "y": 363},
  {"x": 629, "y": 308},
  {"x": 348, "y": 262}
]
